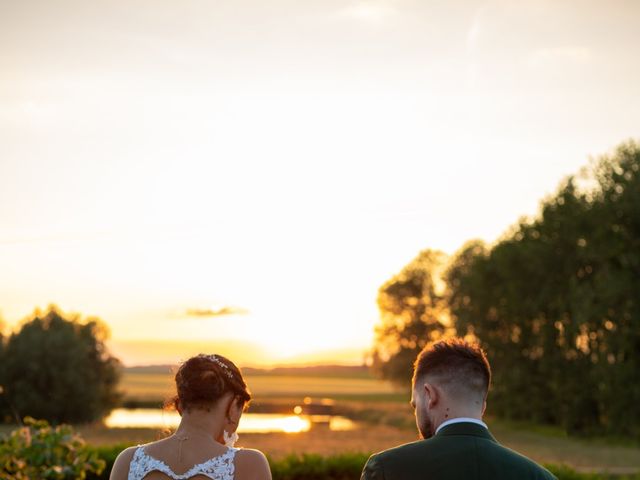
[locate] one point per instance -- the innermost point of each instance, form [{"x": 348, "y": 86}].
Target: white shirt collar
[{"x": 461, "y": 420}]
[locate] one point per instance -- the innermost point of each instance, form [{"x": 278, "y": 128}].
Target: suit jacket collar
[{"x": 466, "y": 428}]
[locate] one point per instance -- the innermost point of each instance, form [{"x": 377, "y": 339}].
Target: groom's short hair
[{"x": 459, "y": 366}]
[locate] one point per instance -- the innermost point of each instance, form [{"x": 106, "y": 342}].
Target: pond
[{"x": 249, "y": 423}]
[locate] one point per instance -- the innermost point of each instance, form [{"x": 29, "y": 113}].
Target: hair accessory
[{"x": 213, "y": 358}]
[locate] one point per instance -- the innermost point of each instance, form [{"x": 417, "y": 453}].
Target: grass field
[{"x": 158, "y": 386}]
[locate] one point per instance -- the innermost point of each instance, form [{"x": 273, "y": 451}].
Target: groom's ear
[{"x": 432, "y": 395}]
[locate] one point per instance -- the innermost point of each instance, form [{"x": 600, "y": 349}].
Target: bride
[{"x": 211, "y": 398}]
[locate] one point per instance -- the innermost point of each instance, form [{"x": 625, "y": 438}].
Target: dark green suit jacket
[{"x": 460, "y": 451}]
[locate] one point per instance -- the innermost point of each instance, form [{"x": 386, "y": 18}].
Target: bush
[
  {"x": 317, "y": 467},
  {"x": 108, "y": 454},
  {"x": 39, "y": 451}
]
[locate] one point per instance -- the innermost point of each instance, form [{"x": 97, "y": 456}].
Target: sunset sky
[{"x": 162, "y": 160}]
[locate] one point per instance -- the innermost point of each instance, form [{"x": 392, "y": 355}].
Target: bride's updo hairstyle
[{"x": 202, "y": 380}]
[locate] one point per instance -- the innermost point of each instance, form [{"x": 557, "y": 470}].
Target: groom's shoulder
[
  {"x": 403, "y": 451},
  {"x": 380, "y": 464},
  {"x": 535, "y": 470}
]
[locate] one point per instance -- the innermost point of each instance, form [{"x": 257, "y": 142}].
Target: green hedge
[
  {"x": 340, "y": 467},
  {"x": 317, "y": 467}
]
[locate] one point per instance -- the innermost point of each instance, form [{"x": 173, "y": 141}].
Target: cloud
[{"x": 216, "y": 312}]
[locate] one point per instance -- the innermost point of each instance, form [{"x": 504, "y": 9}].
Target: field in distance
[{"x": 348, "y": 383}]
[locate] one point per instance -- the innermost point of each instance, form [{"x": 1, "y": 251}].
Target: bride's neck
[{"x": 201, "y": 422}]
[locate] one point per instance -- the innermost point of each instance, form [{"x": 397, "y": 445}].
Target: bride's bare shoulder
[
  {"x": 120, "y": 470},
  {"x": 251, "y": 465},
  {"x": 251, "y": 457}
]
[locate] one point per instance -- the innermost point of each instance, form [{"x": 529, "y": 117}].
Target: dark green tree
[
  {"x": 412, "y": 314},
  {"x": 556, "y": 304},
  {"x": 59, "y": 369}
]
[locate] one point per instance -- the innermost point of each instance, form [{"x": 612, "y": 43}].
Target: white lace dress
[{"x": 217, "y": 468}]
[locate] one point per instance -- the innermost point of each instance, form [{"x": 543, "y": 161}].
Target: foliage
[
  {"x": 40, "y": 451},
  {"x": 59, "y": 369},
  {"x": 317, "y": 467},
  {"x": 412, "y": 313},
  {"x": 108, "y": 454},
  {"x": 556, "y": 304}
]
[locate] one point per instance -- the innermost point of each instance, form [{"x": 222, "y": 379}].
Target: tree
[
  {"x": 555, "y": 304},
  {"x": 412, "y": 315},
  {"x": 60, "y": 370}
]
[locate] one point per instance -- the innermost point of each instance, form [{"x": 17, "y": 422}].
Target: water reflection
[{"x": 250, "y": 422}]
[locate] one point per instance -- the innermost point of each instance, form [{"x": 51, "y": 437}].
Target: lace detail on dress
[{"x": 216, "y": 468}]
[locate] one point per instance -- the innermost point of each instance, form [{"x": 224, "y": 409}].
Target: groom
[{"x": 450, "y": 383}]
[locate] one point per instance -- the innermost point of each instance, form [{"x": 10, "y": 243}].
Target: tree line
[{"x": 555, "y": 303}]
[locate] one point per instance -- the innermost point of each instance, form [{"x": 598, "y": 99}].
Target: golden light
[
  {"x": 250, "y": 422},
  {"x": 295, "y": 424},
  {"x": 290, "y": 180}
]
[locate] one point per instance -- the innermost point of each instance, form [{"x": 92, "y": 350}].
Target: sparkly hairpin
[{"x": 213, "y": 358}]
